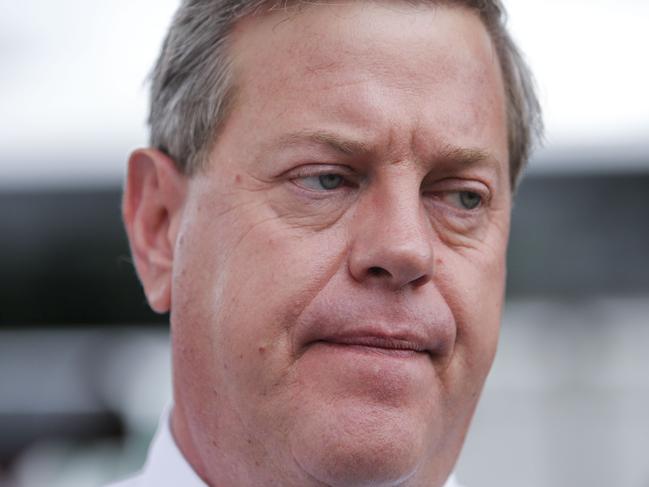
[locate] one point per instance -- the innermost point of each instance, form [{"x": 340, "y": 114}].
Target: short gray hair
[{"x": 192, "y": 90}]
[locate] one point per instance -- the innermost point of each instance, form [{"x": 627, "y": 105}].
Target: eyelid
[
  {"x": 316, "y": 170},
  {"x": 311, "y": 170},
  {"x": 461, "y": 185},
  {"x": 439, "y": 191}
]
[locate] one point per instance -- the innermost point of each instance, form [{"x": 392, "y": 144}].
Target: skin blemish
[{"x": 262, "y": 350}]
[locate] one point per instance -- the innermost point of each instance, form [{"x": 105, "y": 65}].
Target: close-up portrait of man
[{"x": 324, "y": 211}]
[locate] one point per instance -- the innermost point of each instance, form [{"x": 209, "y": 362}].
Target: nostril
[
  {"x": 377, "y": 272},
  {"x": 421, "y": 280}
]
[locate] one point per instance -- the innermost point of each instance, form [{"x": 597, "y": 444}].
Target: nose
[{"x": 392, "y": 242}]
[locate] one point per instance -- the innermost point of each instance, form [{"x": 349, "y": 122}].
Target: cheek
[
  {"x": 272, "y": 275},
  {"x": 473, "y": 285},
  {"x": 248, "y": 289},
  {"x": 473, "y": 290}
]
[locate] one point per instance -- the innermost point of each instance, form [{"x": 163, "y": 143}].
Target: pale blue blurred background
[{"x": 84, "y": 366}]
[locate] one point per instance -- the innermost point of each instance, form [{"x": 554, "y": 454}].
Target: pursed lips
[
  {"x": 407, "y": 328},
  {"x": 380, "y": 342}
]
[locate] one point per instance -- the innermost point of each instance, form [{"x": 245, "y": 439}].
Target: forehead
[{"x": 373, "y": 68}]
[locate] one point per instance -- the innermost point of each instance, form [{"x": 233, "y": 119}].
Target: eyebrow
[
  {"x": 462, "y": 157},
  {"x": 340, "y": 144},
  {"x": 449, "y": 154}
]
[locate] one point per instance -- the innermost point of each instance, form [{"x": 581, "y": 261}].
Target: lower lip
[
  {"x": 369, "y": 350},
  {"x": 351, "y": 370}
]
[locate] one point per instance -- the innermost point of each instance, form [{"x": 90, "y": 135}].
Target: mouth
[{"x": 378, "y": 344}]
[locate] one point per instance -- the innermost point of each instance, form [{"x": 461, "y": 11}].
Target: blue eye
[
  {"x": 326, "y": 182},
  {"x": 470, "y": 200},
  {"x": 465, "y": 200}
]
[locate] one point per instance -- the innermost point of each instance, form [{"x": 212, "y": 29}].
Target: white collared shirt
[{"x": 166, "y": 466}]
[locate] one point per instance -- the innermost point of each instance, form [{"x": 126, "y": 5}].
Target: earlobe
[{"x": 152, "y": 205}]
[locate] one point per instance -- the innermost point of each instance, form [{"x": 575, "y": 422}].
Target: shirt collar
[{"x": 165, "y": 464}]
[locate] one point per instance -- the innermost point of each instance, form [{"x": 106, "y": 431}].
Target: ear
[{"x": 152, "y": 205}]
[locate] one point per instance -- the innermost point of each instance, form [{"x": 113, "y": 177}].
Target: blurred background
[{"x": 84, "y": 365}]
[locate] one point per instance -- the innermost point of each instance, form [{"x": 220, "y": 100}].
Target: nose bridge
[
  {"x": 402, "y": 222},
  {"x": 393, "y": 239}
]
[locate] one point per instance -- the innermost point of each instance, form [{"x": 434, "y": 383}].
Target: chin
[{"x": 359, "y": 446}]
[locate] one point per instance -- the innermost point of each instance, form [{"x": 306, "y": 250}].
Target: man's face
[{"x": 339, "y": 270}]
